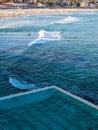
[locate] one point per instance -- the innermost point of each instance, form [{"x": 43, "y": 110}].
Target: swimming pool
[{"x": 44, "y": 109}]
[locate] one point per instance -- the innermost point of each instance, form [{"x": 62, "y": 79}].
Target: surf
[
  {"x": 47, "y": 36},
  {"x": 67, "y": 20},
  {"x": 14, "y": 24},
  {"x": 21, "y": 84}
]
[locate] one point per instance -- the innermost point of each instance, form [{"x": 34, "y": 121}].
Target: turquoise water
[
  {"x": 53, "y": 110},
  {"x": 63, "y": 51}
]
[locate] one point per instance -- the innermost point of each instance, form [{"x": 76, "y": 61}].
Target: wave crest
[
  {"x": 69, "y": 19},
  {"x": 21, "y": 84},
  {"x": 47, "y": 36}
]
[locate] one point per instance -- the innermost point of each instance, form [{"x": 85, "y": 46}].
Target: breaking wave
[
  {"x": 69, "y": 19},
  {"x": 21, "y": 84},
  {"x": 47, "y": 36}
]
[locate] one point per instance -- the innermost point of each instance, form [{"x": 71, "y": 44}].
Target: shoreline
[{"x": 8, "y": 13}]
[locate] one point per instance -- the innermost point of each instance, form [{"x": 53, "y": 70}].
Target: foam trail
[
  {"x": 69, "y": 19},
  {"x": 21, "y": 84},
  {"x": 14, "y": 24},
  {"x": 47, "y": 36}
]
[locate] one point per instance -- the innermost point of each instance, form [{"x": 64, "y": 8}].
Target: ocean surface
[{"x": 55, "y": 49}]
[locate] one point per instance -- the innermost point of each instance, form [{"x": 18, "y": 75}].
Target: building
[
  {"x": 64, "y": 3},
  {"x": 96, "y": 3}
]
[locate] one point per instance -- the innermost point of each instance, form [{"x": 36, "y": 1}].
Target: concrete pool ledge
[
  {"x": 25, "y": 93},
  {"x": 51, "y": 87},
  {"x": 76, "y": 97}
]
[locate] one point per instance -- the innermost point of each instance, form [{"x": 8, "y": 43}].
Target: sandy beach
[{"x": 7, "y": 13}]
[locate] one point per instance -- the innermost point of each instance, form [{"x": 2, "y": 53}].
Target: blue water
[
  {"x": 46, "y": 110},
  {"x": 53, "y": 49}
]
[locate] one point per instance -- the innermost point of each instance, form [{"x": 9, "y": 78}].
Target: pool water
[{"x": 47, "y": 109}]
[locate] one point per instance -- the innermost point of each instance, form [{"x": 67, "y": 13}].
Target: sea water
[{"x": 55, "y": 49}]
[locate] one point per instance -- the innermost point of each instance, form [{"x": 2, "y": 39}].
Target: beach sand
[{"x": 7, "y": 13}]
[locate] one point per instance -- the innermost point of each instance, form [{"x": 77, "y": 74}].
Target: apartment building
[{"x": 83, "y": 3}]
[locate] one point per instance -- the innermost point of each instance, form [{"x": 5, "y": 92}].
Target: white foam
[
  {"x": 47, "y": 36},
  {"x": 21, "y": 84},
  {"x": 69, "y": 19},
  {"x": 14, "y": 24}
]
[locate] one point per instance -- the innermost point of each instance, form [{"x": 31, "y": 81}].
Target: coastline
[{"x": 8, "y": 13}]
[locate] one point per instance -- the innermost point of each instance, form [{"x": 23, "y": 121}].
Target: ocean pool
[
  {"x": 46, "y": 109},
  {"x": 53, "y": 49}
]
